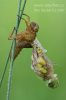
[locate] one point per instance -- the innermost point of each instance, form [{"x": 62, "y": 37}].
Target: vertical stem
[
  {"x": 22, "y": 11},
  {"x": 17, "y": 24},
  {"x": 12, "y": 55},
  {"x": 13, "y": 49},
  {"x": 5, "y": 67},
  {"x": 4, "y": 71},
  {"x": 11, "y": 70}
]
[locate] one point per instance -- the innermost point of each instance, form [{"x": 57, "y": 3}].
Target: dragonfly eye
[{"x": 53, "y": 83}]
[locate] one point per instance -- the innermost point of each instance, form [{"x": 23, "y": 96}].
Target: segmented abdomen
[
  {"x": 19, "y": 46},
  {"x": 16, "y": 52}
]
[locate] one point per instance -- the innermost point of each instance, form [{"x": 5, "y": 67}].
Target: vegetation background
[{"x": 52, "y": 35}]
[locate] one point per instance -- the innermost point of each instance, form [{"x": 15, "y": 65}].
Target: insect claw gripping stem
[
  {"x": 26, "y": 21},
  {"x": 19, "y": 17},
  {"x": 27, "y": 16},
  {"x": 10, "y": 37}
]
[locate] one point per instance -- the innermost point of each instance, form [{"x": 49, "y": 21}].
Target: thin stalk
[
  {"x": 13, "y": 49},
  {"x": 12, "y": 55},
  {"x": 5, "y": 67},
  {"x": 20, "y": 16},
  {"x": 11, "y": 70},
  {"x": 4, "y": 71}
]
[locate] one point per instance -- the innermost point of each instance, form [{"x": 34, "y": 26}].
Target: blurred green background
[{"x": 52, "y": 34}]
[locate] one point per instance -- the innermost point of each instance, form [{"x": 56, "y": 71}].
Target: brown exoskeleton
[{"x": 25, "y": 39}]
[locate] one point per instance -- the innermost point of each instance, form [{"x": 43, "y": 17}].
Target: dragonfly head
[{"x": 54, "y": 82}]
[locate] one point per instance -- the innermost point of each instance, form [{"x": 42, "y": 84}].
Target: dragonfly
[{"x": 43, "y": 66}]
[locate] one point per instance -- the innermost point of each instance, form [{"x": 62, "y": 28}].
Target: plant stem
[
  {"x": 5, "y": 67},
  {"x": 13, "y": 48},
  {"x": 4, "y": 71},
  {"x": 22, "y": 10},
  {"x": 11, "y": 70}
]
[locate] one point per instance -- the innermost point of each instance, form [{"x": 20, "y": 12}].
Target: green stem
[
  {"x": 13, "y": 48},
  {"x": 4, "y": 72},
  {"x": 5, "y": 67},
  {"x": 11, "y": 70},
  {"x": 22, "y": 12}
]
